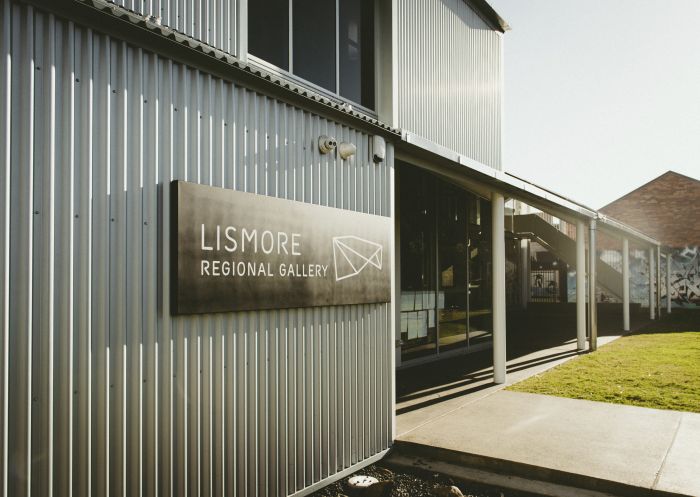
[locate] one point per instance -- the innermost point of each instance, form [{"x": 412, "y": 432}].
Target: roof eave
[{"x": 487, "y": 11}]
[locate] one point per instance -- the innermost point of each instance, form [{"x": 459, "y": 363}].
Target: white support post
[
  {"x": 498, "y": 251},
  {"x": 580, "y": 285},
  {"x": 242, "y": 30},
  {"x": 592, "y": 304},
  {"x": 625, "y": 284},
  {"x": 669, "y": 259},
  {"x": 658, "y": 281},
  {"x": 652, "y": 300},
  {"x": 524, "y": 272}
]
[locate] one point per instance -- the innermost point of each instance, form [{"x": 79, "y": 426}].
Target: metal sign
[{"x": 234, "y": 251}]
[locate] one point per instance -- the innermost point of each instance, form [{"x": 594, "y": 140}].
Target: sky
[{"x": 601, "y": 96}]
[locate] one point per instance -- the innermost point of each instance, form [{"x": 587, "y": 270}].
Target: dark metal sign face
[{"x": 236, "y": 251}]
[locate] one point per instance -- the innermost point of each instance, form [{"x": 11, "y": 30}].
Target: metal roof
[
  {"x": 487, "y": 11},
  {"x": 501, "y": 180},
  {"x": 93, "y": 9},
  {"x": 531, "y": 193}
]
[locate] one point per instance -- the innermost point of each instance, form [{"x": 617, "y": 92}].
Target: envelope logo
[{"x": 352, "y": 254}]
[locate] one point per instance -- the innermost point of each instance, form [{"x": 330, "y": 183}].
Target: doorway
[{"x": 445, "y": 267}]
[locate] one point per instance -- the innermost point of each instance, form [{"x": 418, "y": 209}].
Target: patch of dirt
[{"x": 410, "y": 484}]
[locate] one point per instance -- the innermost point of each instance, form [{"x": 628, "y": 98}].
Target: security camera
[{"x": 326, "y": 144}]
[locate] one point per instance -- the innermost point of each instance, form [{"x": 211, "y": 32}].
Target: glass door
[
  {"x": 453, "y": 239},
  {"x": 480, "y": 315},
  {"x": 417, "y": 202}
]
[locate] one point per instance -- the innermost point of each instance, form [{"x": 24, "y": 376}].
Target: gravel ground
[{"x": 412, "y": 485}]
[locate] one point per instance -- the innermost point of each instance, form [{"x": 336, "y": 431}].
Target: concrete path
[
  {"x": 622, "y": 450},
  {"x": 424, "y": 406}
]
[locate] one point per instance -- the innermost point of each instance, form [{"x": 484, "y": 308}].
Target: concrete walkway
[
  {"x": 425, "y": 405},
  {"x": 498, "y": 437},
  {"x": 612, "y": 448}
]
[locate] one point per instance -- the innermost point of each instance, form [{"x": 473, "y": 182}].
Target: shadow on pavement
[{"x": 540, "y": 328}]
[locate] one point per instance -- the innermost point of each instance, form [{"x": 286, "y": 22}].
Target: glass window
[
  {"x": 445, "y": 238},
  {"x": 314, "y": 42},
  {"x": 418, "y": 267},
  {"x": 453, "y": 238},
  {"x": 268, "y": 31},
  {"x": 332, "y": 42},
  {"x": 480, "y": 305},
  {"x": 356, "y": 52}
]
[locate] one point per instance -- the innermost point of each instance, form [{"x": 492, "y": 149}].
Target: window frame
[{"x": 289, "y": 74}]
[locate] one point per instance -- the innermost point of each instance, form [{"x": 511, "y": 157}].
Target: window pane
[
  {"x": 453, "y": 239},
  {"x": 480, "y": 298},
  {"x": 268, "y": 31},
  {"x": 356, "y": 34},
  {"x": 314, "y": 41},
  {"x": 417, "y": 206}
]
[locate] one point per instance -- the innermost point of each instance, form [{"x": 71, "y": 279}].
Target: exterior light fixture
[
  {"x": 379, "y": 149},
  {"x": 346, "y": 150}
]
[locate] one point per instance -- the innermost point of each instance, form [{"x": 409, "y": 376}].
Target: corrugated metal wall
[
  {"x": 450, "y": 77},
  {"x": 210, "y": 21},
  {"x": 103, "y": 392}
]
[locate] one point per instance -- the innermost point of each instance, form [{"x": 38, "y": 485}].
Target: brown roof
[{"x": 666, "y": 208}]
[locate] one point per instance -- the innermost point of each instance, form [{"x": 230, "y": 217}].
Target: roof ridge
[{"x": 653, "y": 180}]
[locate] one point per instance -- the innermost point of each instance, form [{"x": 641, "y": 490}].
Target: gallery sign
[{"x": 234, "y": 251}]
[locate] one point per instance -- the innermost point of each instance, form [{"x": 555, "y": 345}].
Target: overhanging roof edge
[
  {"x": 510, "y": 183},
  {"x": 119, "y": 22},
  {"x": 633, "y": 232},
  {"x": 500, "y": 179},
  {"x": 487, "y": 10}
]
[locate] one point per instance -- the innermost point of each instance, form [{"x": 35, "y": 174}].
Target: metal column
[
  {"x": 580, "y": 285},
  {"x": 658, "y": 281},
  {"x": 498, "y": 251},
  {"x": 592, "y": 309},
  {"x": 625, "y": 284},
  {"x": 524, "y": 272},
  {"x": 669, "y": 259},
  {"x": 652, "y": 303}
]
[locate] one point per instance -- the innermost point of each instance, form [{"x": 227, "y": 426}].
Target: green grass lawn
[{"x": 659, "y": 370}]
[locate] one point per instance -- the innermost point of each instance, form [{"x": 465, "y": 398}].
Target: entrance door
[
  {"x": 480, "y": 315},
  {"x": 453, "y": 274},
  {"x": 418, "y": 263},
  {"x": 445, "y": 263}
]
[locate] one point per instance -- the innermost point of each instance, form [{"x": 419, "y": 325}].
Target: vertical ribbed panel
[
  {"x": 210, "y": 21},
  {"x": 450, "y": 77},
  {"x": 104, "y": 393}
]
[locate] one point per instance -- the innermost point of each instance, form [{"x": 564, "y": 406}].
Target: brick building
[{"x": 668, "y": 209}]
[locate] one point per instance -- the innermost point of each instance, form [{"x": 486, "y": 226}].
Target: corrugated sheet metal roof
[
  {"x": 487, "y": 11},
  {"x": 153, "y": 24}
]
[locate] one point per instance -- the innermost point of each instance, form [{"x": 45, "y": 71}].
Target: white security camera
[{"x": 326, "y": 144}]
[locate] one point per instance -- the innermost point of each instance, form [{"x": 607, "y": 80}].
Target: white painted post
[
  {"x": 498, "y": 251},
  {"x": 658, "y": 281},
  {"x": 395, "y": 359},
  {"x": 652, "y": 300},
  {"x": 625, "y": 284},
  {"x": 669, "y": 259},
  {"x": 592, "y": 303},
  {"x": 524, "y": 272},
  {"x": 580, "y": 285}
]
